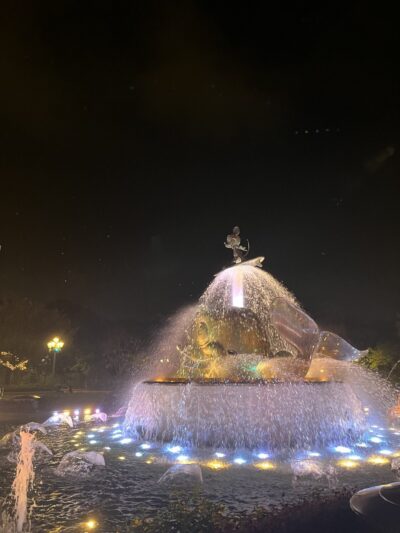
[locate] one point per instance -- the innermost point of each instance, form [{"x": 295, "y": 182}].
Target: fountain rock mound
[{"x": 254, "y": 370}]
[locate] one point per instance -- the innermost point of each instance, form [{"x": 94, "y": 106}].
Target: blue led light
[
  {"x": 90, "y": 435},
  {"x": 263, "y": 455},
  {"x": 93, "y": 442},
  {"x": 126, "y": 440},
  {"x": 219, "y": 454},
  {"x": 377, "y": 440},
  {"x": 342, "y": 449},
  {"x": 139, "y": 454},
  {"x": 175, "y": 449},
  {"x": 313, "y": 454},
  {"x": 362, "y": 445},
  {"x": 145, "y": 446},
  {"x": 239, "y": 461},
  {"x": 386, "y": 452}
]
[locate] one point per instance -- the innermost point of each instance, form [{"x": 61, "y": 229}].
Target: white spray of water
[{"x": 24, "y": 479}]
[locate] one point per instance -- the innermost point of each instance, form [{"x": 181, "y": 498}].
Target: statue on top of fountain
[
  {"x": 233, "y": 241},
  {"x": 241, "y": 252}
]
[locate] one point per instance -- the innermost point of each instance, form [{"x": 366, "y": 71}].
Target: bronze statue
[{"x": 233, "y": 242}]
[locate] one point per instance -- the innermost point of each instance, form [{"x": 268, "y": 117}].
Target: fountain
[
  {"x": 242, "y": 394},
  {"x": 253, "y": 370}
]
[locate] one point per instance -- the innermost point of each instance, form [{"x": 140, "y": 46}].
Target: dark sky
[{"x": 134, "y": 135}]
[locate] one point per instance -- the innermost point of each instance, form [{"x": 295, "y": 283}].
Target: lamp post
[{"x": 55, "y": 346}]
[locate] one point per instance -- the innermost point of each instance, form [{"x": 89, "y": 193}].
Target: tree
[
  {"x": 25, "y": 328},
  {"x": 382, "y": 359},
  {"x": 12, "y": 363},
  {"x": 119, "y": 352}
]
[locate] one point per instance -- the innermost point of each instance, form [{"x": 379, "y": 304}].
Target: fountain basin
[{"x": 272, "y": 414}]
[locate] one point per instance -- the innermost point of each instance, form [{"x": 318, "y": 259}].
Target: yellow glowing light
[
  {"x": 217, "y": 465},
  {"x": 76, "y": 444},
  {"x": 396, "y": 454},
  {"x": 66, "y": 412},
  {"x": 55, "y": 344},
  {"x": 186, "y": 461},
  {"x": 91, "y": 524},
  {"x": 79, "y": 432},
  {"x": 122, "y": 457},
  {"x": 378, "y": 460},
  {"x": 348, "y": 463},
  {"x": 265, "y": 465},
  {"x": 87, "y": 411}
]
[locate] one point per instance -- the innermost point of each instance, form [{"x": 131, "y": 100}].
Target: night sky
[{"x": 135, "y": 135}]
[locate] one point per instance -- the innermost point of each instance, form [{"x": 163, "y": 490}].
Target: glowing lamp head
[{"x": 55, "y": 344}]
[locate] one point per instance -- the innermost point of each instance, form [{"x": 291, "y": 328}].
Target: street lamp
[{"x": 55, "y": 346}]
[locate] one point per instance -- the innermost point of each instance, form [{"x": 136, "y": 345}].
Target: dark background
[{"x": 134, "y": 135}]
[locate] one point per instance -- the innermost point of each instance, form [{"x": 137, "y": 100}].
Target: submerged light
[
  {"x": 386, "y": 452},
  {"x": 262, "y": 455},
  {"x": 175, "y": 449},
  {"x": 347, "y": 463},
  {"x": 377, "y": 460},
  {"x": 184, "y": 459},
  {"x": 217, "y": 465},
  {"x": 265, "y": 465},
  {"x": 342, "y": 449},
  {"x": 91, "y": 524},
  {"x": 125, "y": 440}
]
